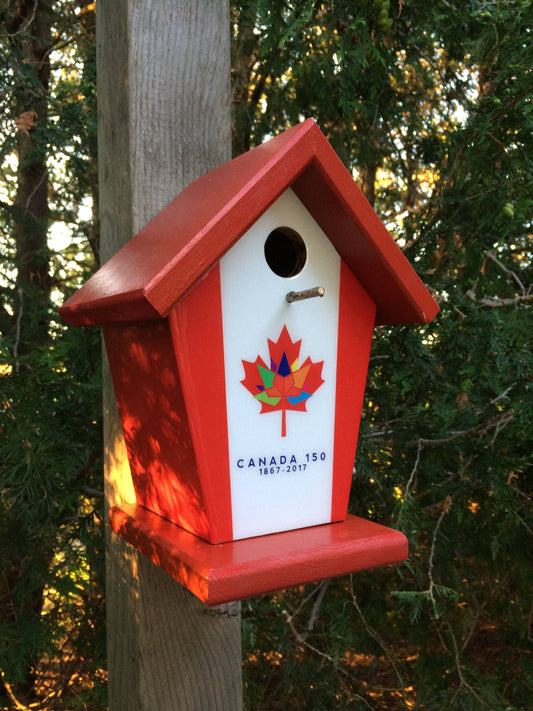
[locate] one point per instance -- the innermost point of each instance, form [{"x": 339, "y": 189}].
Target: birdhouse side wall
[{"x": 155, "y": 424}]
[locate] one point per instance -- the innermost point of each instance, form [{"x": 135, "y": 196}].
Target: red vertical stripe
[
  {"x": 196, "y": 326},
  {"x": 357, "y": 312}
]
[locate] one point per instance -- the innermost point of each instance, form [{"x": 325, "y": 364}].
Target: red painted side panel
[
  {"x": 196, "y": 326},
  {"x": 154, "y": 421},
  {"x": 253, "y": 566},
  {"x": 356, "y": 323}
]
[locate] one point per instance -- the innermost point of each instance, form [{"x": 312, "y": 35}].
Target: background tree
[
  {"x": 51, "y": 549},
  {"x": 429, "y": 105}
]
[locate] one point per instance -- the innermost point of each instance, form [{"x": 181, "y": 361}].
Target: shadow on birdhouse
[{"x": 238, "y": 326}]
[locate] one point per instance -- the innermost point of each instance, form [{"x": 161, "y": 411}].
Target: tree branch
[
  {"x": 495, "y": 422},
  {"x": 371, "y": 631},
  {"x": 494, "y": 302},
  {"x": 492, "y": 257}
]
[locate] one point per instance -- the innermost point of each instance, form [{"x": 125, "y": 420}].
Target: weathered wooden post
[{"x": 164, "y": 119}]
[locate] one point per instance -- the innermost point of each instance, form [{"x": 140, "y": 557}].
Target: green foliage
[{"x": 51, "y": 509}]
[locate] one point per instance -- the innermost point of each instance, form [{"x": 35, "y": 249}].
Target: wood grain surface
[{"x": 164, "y": 119}]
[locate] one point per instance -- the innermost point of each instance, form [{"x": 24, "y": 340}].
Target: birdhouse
[{"x": 238, "y": 326}]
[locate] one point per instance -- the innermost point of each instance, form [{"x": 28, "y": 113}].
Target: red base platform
[{"x": 223, "y": 572}]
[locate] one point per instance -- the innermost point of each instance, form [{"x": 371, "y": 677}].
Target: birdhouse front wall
[{"x": 280, "y": 364}]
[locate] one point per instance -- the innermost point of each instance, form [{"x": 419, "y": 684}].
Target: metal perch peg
[{"x": 306, "y": 294}]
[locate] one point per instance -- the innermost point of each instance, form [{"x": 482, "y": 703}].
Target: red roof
[{"x": 149, "y": 275}]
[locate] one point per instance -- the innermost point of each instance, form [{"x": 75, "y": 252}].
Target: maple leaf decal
[{"x": 285, "y": 385}]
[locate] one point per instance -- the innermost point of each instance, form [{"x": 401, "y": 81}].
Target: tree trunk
[
  {"x": 368, "y": 182},
  {"x": 164, "y": 119},
  {"x": 29, "y": 30},
  {"x": 31, "y": 34}
]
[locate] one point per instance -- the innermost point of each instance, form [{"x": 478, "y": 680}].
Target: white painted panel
[{"x": 279, "y": 483}]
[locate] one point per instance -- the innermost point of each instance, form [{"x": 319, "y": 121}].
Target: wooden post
[{"x": 164, "y": 119}]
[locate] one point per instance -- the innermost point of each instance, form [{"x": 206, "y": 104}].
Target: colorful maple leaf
[{"x": 284, "y": 386}]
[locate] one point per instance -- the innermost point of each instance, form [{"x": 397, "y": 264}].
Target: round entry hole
[{"x": 285, "y": 252}]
